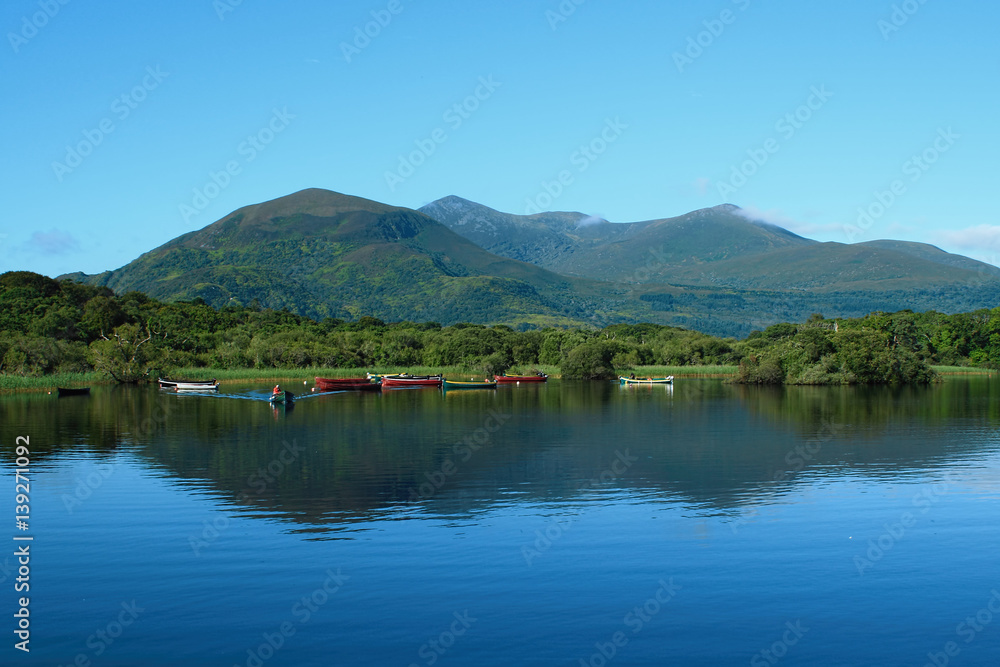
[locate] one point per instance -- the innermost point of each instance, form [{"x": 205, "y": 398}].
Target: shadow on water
[{"x": 349, "y": 456}]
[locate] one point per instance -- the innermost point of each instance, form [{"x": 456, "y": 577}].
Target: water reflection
[{"x": 347, "y": 457}]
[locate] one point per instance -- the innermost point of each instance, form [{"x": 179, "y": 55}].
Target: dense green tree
[
  {"x": 590, "y": 361},
  {"x": 127, "y": 355}
]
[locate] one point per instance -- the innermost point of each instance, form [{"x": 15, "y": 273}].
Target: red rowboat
[
  {"x": 411, "y": 380},
  {"x": 511, "y": 379},
  {"x": 345, "y": 384}
]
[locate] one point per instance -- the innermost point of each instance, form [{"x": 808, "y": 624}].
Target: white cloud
[
  {"x": 811, "y": 230},
  {"x": 772, "y": 216},
  {"x": 590, "y": 220},
  {"x": 980, "y": 238}
]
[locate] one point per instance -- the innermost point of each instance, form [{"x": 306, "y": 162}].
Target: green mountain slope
[
  {"x": 325, "y": 254},
  {"x": 575, "y": 244},
  {"x": 718, "y": 247},
  {"x": 935, "y": 254}
]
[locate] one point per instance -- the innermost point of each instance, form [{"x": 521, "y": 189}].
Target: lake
[{"x": 570, "y": 523}]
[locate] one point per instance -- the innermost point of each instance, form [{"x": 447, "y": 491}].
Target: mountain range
[
  {"x": 325, "y": 254},
  {"x": 719, "y": 246}
]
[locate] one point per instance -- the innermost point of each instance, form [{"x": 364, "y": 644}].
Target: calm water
[{"x": 564, "y": 524}]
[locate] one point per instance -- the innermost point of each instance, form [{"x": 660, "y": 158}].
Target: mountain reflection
[{"x": 347, "y": 457}]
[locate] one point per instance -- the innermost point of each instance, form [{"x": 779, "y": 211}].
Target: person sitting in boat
[
  {"x": 276, "y": 390},
  {"x": 631, "y": 377}
]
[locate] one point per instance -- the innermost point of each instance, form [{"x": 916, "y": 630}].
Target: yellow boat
[{"x": 472, "y": 384}]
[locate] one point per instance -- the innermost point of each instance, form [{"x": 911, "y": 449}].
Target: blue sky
[{"x": 128, "y": 124}]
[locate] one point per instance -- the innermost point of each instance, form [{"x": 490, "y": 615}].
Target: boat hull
[
  {"x": 200, "y": 386},
  {"x": 345, "y": 384},
  {"x": 397, "y": 381},
  {"x": 282, "y": 398},
  {"x": 170, "y": 384},
  {"x": 453, "y": 384},
  {"x": 514, "y": 379},
  {"x": 641, "y": 381}
]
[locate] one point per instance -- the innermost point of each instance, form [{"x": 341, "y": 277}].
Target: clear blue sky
[{"x": 115, "y": 114}]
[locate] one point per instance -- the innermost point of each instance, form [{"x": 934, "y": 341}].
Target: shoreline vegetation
[
  {"x": 63, "y": 333},
  {"x": 43, "y": 383},
  {"x": 249, "y": 375}
]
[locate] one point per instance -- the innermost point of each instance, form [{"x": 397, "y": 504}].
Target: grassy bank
[
  {"x": 48, "y": 382},
  {"x": 960, "y": 370},
  {"x": 681, "y": 371},
  {"x": 10, "y": 383}
]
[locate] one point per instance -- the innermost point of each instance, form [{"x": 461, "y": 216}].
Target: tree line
[{"x": 49, "y": 326}]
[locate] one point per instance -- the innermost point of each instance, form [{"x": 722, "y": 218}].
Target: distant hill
[
  {"x": 719, "y": 246},
  {"x": 935, "y": 254},
  {"x": 325, "y": 254},
  {"x": 576, "y": 244}
]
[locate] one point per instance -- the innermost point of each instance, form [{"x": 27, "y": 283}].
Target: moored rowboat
[
  {"x": 667, "y": 380},
  {"x": 194, "y": 386},
  {"x": 473, "y": 384},
  {"x": 345, "y": 384},
  {"x": 511, "y": 379},
  {"x": 170, "y": 384},
  {"x": 412, "y": 380}
]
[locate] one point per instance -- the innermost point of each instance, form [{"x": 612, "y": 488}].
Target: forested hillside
[{"x": 49, "y": 326}]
